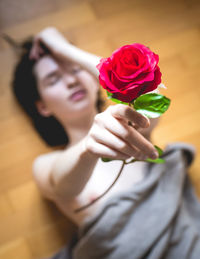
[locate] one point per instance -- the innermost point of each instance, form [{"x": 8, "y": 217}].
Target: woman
[{"x": 66, "y": 90}]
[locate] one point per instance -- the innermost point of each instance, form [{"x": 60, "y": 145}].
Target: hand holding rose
[
  {"x": 128, "y": 74},
  {"x": 111, "y": 137}
]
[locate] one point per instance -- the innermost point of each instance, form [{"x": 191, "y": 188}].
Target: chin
[{"x": 83, "y": 107}]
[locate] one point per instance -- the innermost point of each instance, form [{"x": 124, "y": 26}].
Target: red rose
[{"x": 131, "y": 70}]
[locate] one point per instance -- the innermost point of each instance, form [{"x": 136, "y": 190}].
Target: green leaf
[
  {"x": 157, "y": 160},
  {"x": 114, "y": 99},
  {"x": 104, "y": 159},
  {"x": 151, "y": 105},
  {"x": 109, "y": 94},
  {"x": 160, "y": 151}
]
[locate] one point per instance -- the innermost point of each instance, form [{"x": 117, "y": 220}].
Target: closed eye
[{"x": 52, "y": 78}]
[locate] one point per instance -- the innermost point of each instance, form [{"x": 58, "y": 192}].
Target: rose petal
[
  {"x": 130, "y": 71},
  {"x": 128, "y": 95}
]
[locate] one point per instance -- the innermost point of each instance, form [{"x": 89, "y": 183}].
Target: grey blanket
[{"x": 158, "y": 218}]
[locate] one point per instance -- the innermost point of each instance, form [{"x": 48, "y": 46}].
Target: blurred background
[{"x": 31, "y": 227}]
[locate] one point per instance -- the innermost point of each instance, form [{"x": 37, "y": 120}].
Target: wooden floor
[{"x": 31, "y": 227}]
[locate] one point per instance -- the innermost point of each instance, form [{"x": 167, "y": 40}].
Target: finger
[
  {"x": 126, "y": 112},
  {"x": 34, "y": 53},
  {"x": 103, "y": 151},
  {"x": 41, "y": 51},
  {"x": 106, "y": 138},
  {"x": 131, "y": 136},
  {"x": 133, "y": 125},
  {"x": 140, "y": 142}
]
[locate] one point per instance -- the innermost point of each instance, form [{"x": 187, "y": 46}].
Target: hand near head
[
  {"x": 110, "y": 135},
  {"x": 50, "y": 39},
  {"x": 53, "y": 41}
]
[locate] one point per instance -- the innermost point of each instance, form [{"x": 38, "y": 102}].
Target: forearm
[
  {"x": 61, "y": 48},
  {"x": 72, "y": 170},
  {"x": 85, "y": 59}
]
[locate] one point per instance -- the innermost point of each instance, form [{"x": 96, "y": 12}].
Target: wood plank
[
  {"x": 64, "y": 18},
  {"x": 11, "y": 11},
  {"x": 50, "y": 239},
  {"x": 28, "y": 220},
  {"x": 6, "y": 207},
  {"x": 16, "y": 249}
]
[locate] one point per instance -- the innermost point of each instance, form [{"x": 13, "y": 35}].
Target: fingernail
[{"x": 143, "y": 122}]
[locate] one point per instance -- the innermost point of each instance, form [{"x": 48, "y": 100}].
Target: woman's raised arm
[{"x": 60, "y": 48}]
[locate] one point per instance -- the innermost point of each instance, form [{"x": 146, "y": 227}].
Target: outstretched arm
[{"x": 110, "y": 136}]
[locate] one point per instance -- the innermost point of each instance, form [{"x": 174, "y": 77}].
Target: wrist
[{"x": 86, "y": 152}]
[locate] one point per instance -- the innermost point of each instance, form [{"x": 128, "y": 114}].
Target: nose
[{"x": 70, "y": 80}]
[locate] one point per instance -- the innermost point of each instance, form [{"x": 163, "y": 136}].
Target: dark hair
[{"x": 25, "y": 90}]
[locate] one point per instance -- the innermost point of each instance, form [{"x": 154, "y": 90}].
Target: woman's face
[{"x": 66, "y": 90}]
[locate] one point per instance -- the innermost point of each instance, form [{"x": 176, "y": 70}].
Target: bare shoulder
[{"x": 41, "y": 169}]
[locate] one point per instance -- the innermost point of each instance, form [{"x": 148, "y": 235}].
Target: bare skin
[{"x": 76, "y": 175}]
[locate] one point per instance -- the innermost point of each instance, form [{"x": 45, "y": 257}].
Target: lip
[{"x": 78, "y": 94}]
